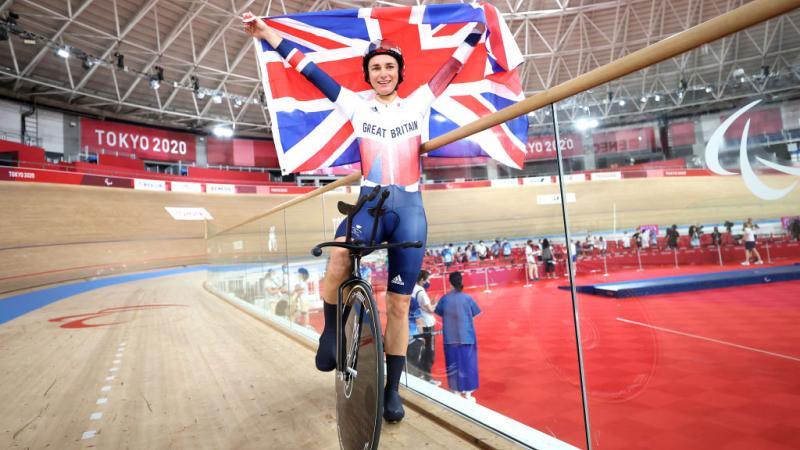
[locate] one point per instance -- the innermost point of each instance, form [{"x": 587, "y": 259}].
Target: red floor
[{"x": 721, "y": 371}]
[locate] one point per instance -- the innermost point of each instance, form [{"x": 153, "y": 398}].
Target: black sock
[
  {"x": 326, "y": 352},
  {"x": 329, "y": 312},
  {"x": 394, "y": 368}
]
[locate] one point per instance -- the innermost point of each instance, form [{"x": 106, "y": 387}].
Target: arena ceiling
[{"x": 202, "y": 40}]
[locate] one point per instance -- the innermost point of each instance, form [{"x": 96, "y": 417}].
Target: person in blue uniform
[{"x": 458, "y": 310}]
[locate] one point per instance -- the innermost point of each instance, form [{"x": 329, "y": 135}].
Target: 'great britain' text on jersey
[{"x": 394, "y": 132}]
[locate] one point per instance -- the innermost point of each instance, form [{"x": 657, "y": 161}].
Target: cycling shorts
[{"x": 403, "y": 221}]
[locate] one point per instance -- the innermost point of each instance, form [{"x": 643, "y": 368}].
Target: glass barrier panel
[
  {"x": 683, "y": 221},
  {"x": 248, "y": 265},
  {"x": 520, "y": 373}
]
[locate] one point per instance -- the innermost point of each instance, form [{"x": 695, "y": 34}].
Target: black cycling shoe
[
  {"x": 393, "y": 410},
  {"x": 326, "y": 352}
]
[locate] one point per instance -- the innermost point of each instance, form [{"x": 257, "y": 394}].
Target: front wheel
[{"x": 359, "y": 388}]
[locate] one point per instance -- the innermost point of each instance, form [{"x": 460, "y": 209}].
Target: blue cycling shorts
[{"x": 403, "y": 221}]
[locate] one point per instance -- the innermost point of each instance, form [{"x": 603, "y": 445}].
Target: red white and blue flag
[{"x": 310, "y": 133}]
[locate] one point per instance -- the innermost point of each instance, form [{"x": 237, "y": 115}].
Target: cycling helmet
[{"x": 383, "y": 47}]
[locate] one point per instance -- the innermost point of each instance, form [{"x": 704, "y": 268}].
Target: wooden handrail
[{"x": 740, "y": 18}]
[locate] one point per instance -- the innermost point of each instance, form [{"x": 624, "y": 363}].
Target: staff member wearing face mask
[{"x": 426, "y": 308}]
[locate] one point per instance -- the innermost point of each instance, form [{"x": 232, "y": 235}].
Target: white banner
[
  {"x": 606, "y": 176},
  {"x": 536, "y": 180},
  {"x": 149, "y": 185},
  {"x": 505, "y": 182},
  {"x": 212, "y": 188},
  {"x": 179, "y": 213},
  {"x": 575, "y": 178},
  {"x": 554, "y": 199},
  {"x": 182, "y": 186}
]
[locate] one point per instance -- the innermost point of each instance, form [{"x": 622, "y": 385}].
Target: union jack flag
[{"x": 310, "y": 133}]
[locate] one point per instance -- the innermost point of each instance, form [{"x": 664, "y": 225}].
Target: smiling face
[{"x": 383, "y": 73}]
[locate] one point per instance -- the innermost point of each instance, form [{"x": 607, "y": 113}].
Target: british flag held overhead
[{"x": 311, "y": 133}]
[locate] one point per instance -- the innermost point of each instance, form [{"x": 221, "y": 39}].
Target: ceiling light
[
  {"x": 154, "y": 83},
  {"x": 222, "y": 131},
  {"x": 586, "y": 123},
  {"x": 621, "y": 103},
  {"x": 216, "y": 98},
  {"x": 643, "y": 99},
  {"x": 88, "y": 63},
  {"x": 708, "y": 89},
  {"x": 63, "y": 52},
  {"x": 237, "y": 102},
  {"x": 585, "y": 109},
  {"x": 657, "y": 98}
]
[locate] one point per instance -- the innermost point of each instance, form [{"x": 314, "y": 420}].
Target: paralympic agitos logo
[{"x": 751, "y": 180}]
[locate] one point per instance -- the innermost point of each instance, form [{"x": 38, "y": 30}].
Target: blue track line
[{"x": 18, "y": 305}]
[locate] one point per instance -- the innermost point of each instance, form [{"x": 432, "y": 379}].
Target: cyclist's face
[{"x": 383, "y": 73}]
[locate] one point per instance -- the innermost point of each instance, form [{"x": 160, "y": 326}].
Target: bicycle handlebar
[{"x": 363, "y": 249}]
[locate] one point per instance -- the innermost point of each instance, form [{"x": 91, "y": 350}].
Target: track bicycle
[{"x": 359, "y": 344}]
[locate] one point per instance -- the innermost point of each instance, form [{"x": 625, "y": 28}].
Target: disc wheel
[{"x": 359, "y": 391}]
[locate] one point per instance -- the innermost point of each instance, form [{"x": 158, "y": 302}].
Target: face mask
[{"x": 426, "y": 285}]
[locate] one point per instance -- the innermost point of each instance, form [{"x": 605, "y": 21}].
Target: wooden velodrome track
[
  {"x": 54, "y": 233},
  {"x": 202, "y": 374}
]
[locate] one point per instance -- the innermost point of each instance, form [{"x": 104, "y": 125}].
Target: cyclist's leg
[
  {"x": 338, "y": 270},
  {"x": 409, "y": 224}
]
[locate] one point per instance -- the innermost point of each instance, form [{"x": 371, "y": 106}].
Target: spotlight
[
  {"x": 621, "y": 103},
  {"x": 643, "y": 99},
  {"x": 120, "y": 61},
  {"x": 222, "y": 131},
  {"x": 63, "y": 52},
  {"x": 657, "y": 98},
  {"x": 237, "y": 102},
  {"x": 708, "y": 89},
  {"x": 216, "y": 98},
  {"x": 586, "y": 123},
  {"x": 200, "y": 95},
  {"x": 154, "y": 82}
]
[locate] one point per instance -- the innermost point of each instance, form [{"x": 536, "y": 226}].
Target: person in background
[
  {"x": 694, "y": 236},
  {"x": 602, "y": 245},
  {"x": 428, "y": 322},
  {"x": 716, "y": 237},
  {"x": 483, "y": 251},
  {"x": 750, "y": 250},
  {"x": 495, "y": 250},
  {"x": 794, "y": 228},
  {"x": 447, "y": 255},
  {"x": 573, "y": 257},
  {"x": 301, "y": 297},
  {"x": 672, "y": 237},
  {"x": 506, "y": 249},
  {"x": 458, "y": 310},
  {"x": 531, "y": 256},
  {"x": 415, "y": 338},
  {"x": 626, "y": 240},
  {"x": 548, "y": 259}
]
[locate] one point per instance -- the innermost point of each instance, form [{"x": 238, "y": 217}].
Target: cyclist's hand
[{"x": 254, "y": 26}]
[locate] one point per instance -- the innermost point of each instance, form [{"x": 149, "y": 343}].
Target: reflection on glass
[{"x": 680, "y": 215}]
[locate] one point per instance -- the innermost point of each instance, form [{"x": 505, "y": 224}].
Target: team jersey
[{"x": 389, "y": 136}]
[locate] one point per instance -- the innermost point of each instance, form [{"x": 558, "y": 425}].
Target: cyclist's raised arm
[
  {"x": 442, "y": 78},
  {"x": 342, "y": 97}
]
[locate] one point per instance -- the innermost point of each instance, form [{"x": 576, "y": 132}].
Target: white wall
[
  {"x": 10, "y": 121},
  {"x": 51, "y": 130}
]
